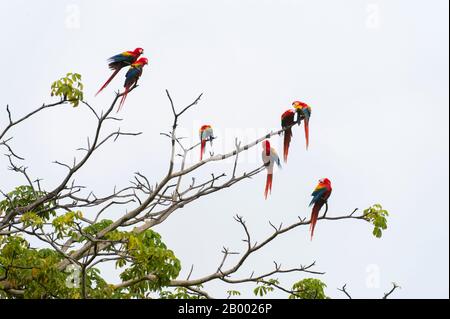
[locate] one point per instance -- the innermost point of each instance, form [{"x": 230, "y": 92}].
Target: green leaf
[
  {"x": 376, "y": 215},
  {"x": 233, "y": 293},
  {"x": 68, "y": 88},
  {"x": 309, "y": 288}
]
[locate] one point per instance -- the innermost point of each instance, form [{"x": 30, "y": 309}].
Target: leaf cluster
[{"x": 69, "y": 88}]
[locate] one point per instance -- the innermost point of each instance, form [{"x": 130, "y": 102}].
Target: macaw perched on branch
[
  {"x": 120, "y": 61},
  {"x": 132, "y": 77},
  {"x": 206, "y": 134},
  {"x": 287, "y": 120},
  {"x": 303, "y": 113},
  {"x": 270, "y": 158},
  {"x": 320, "y": 197}
]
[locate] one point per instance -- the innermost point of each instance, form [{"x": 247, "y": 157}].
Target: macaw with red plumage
[
  {"x": 131, "y": 78},
  {"x": 320, "y": 197},
  {"x": 119, "y": 61},
  {"x": 270, "y": 158},
  {"x": 287, "y": 120},
  {"x": 303, "y": 113},
  {"x": 206, "y": 134}
]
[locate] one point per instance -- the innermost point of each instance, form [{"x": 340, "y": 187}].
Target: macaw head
[
  {"x": 303, "y": 109},
  {"x": 266, "y": 147},
  {"x": 205, "y": 127},
  {"x": 142, "y": 61},
  {"x": 138, "y": 51},
  {"x": 287, "y": 114},
  {"x": 325, "y": 182},
  {"x": 299, "y": 104}
]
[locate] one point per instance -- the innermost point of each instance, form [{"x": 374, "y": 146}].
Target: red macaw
[
  {"x": 132, "y": 77},
  {"x": 303, "y": 113},
  {"x": 320, "y": 197},
  {"x": 120, "y": 61},
  {"x": 270, "y": 158},
  {"x": 206, "y": 134},
  {"x": 287, "y": 120}
]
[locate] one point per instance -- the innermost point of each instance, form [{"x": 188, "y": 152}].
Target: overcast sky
[{"x": 374, "y": 72}]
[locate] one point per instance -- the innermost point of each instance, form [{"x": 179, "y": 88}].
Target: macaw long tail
[
  {"x": 307, "y": 133},
  {"x": 268, "y": 185},
  {"x": 314, "y": 217},
  {"x": 109, "y": 80},
  {"x": 287, "y": 142},
  {"x": 202, "y": 149},
  {"x": 122, "y": 100}
]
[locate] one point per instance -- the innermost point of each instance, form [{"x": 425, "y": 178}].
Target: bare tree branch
[{"x": 394, "y": 287}]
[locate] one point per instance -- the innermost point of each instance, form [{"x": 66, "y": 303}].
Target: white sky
[{"x": 374, "y": 72}]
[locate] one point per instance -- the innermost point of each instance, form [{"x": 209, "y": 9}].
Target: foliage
[
  {"x": 233, "y": 293},
  {"x": 31, "y": 268},
  {"x": 264, "y": 287},
  {"x": 180, "y": 293},
  {"x": 150, "y": 257},
  {"x": 95, "y": 228},
  {"x": 35, "y": 271},
  {"x": 376, "y": 215},
  {"x": 69, "y": 88},
  {"x": 23, "y": 196},
  {"x": 63, "y": 224},
  {"x": 309, "y": 288}
]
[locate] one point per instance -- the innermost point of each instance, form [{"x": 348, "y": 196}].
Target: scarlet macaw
[
  {"x": 120, "y": 61},
  {"x": 206, "y": 134},
  {"x": 320, "y": 197},
  {"x": 132, "y": 77},
  {"x": 287, "y": 120},
  {"x": 270, "y": 158},
  {"x": 303, "y": 113}
]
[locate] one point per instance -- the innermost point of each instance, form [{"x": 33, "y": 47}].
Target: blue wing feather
[
  {"x": 276, "y": 159},
  {"x": 306, "y": 113},
  {"x": 132, "y": 75},
  {"x": 122, "y": 58},
  {"x": 317, "y": 194},
  {"x": 206, "y": 134}
]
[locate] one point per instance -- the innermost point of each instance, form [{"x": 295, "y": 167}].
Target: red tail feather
[
  {"x": 122, "y": 101},
  {"x": 202, "y": 149},
  {"x": 109, "y": 80},
  {"x": 307, "y": 133},
  {"x": 287, "y": 142},
  {"x": 268, "y": 185},
  {"x": 314, "y": 217}
]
